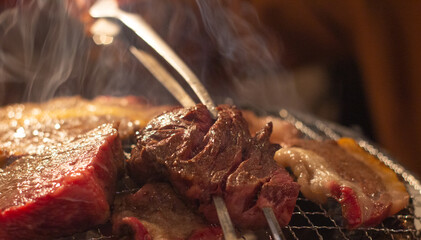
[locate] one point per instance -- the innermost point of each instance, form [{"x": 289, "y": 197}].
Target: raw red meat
[{"x": 66, "y": 189}]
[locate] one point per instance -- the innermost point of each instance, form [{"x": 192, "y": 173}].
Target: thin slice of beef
[
  {"x": 202, "y": 157},
  {"x": 66, "y": 189},
  {"x": 156, "y": 212}
]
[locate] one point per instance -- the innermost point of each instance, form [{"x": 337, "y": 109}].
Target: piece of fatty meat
[{"x": 366, "y": 189}]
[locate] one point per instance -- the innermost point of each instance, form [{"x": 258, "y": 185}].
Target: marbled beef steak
[{"x": 65, "y": 189}]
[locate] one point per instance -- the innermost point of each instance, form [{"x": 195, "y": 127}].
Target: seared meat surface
[
  {"x": 65, "y": 189},
  {"x": 28, "y": 128},
  {"x": 156, "y": 212},
  {"x": 202, "y": 157},
  {"x": 366, "y": 189}
]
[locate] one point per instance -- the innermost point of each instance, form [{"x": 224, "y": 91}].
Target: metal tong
[{"x": 110, "y": 9}]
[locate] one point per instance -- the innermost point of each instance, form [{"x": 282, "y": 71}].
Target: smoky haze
[
  {"x": 248, "y": 58},
  {"x": 41, "y": 50},
  {"x": 46, "y": 51}
]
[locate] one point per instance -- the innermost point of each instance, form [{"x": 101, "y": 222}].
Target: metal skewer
[
  {"x": 276, "y": 230},
  {"x": 178, "y": 92},
  {"x": 110, "y": 9},
  {"x": 163, "y": 76},
  {"x": 224, "y": 218}
]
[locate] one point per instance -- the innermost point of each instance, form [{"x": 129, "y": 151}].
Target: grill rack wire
[{"x": 323, "y": 222}]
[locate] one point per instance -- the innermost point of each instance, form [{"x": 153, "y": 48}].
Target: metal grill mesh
[{"x": 315, "y": 221}]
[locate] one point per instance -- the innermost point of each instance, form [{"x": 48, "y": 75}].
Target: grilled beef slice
[
  {"x": 65, "y": 189},
  {"x": 202, "y": 157},
  {"x": 156, "y": 212}
]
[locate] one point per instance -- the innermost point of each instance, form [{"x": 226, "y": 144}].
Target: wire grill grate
[{"x": 315, "y": 221}]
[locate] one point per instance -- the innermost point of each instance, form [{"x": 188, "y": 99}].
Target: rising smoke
[
  {"x": 41, "y": 50},
  {"x": 249, "y": 59},
  {"x": 46, "y": 51}
]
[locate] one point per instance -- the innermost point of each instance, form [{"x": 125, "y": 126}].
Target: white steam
[
  {"x": 46, "y": 51},
  {"x": 42, "y": 48},
  {"x": 259, "y": 79}
]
